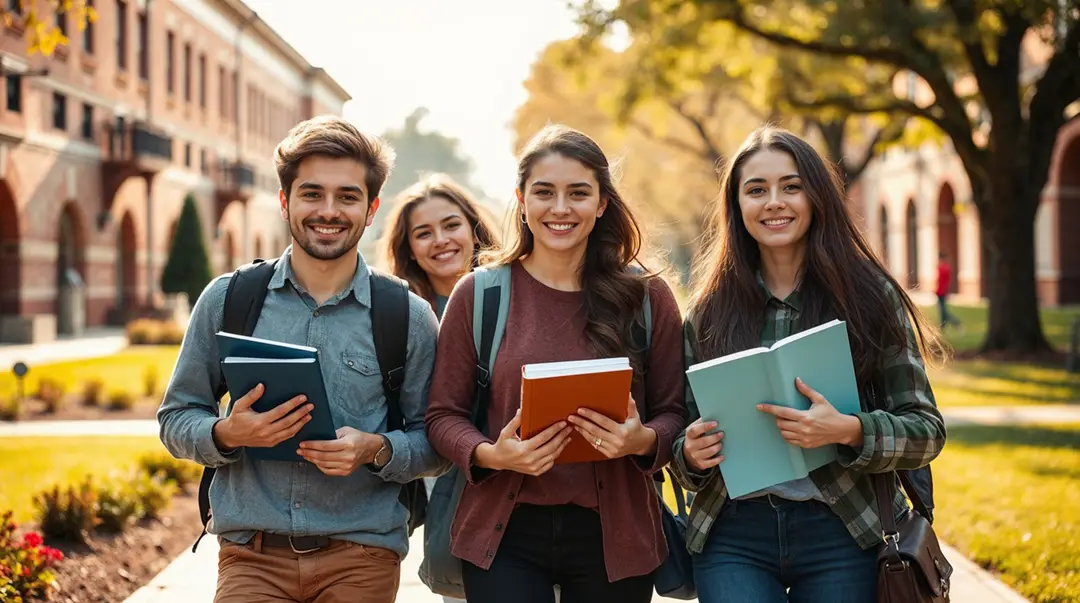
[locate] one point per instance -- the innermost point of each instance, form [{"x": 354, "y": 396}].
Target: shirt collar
[
  {"x": 793, "y": 299},
  {"x": 360, "y": 287}
]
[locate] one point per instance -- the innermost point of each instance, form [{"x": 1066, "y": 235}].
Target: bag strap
[
  {"x": 244, "y": 299},
  {"x": 491, "y": 306},
  {"x": 390, "y": 329}
]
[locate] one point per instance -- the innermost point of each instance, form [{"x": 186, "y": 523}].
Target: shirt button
[
  {"x": 498, "y": 527},
  {"x": 298, "y": 505},
  {"x": 316, "y": 314},
  {"x": 832, "y": 500},
  {"x": 510, "y": 496},
  {"x": 489, "y": 554},
  {"x": 350, "y": 363}
]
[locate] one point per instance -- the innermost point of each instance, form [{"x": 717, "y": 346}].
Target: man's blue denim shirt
[{"x": 295, "y": 497}]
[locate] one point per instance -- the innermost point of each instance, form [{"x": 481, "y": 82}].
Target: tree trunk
[{"x": 1014, "y": 324}]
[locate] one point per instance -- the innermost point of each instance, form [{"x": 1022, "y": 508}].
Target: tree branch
[
  {"x": 669, "y": 140},
  {"x": 712, "y": 150},
  {"x": 891, "y": 132}
]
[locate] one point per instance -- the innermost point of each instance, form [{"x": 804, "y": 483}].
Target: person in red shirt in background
[{"x": 944, "y": 281}]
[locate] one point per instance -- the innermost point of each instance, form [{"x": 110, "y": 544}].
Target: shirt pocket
[{"x": 362, "y": 404}]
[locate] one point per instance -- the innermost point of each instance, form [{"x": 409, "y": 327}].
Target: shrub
[
  {"x": 170, "y": 333},
  {"x": 150, "y": 381},
  {"x": 143, "y": 331},
  {"x": 93, "y": 391},
  {"x": 170, "y": 469},
  {"x": 51, "y": 392},
  {"x": 120, "y": 400},
  {"x": 25, "y": 564},
  {"x": 10, "y": 409},
  {"x": 153, "y": 492},
  {"x": 70, "y": 515},
  {"x": 118, "y": 506}
]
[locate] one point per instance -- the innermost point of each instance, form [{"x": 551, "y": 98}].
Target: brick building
[
  {"x": 917, "y": 202},
  {"x": 100, "y": 143}
]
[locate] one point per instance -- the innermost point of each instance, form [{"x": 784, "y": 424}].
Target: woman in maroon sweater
[{"x": 524, "y": 524}]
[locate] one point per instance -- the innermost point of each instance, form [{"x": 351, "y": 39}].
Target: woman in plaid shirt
[{"x": 785, "y": 256}]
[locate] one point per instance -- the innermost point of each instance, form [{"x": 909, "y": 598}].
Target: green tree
[
  {"x": 42, "y": 33},
  {"x": 188, "y": 268},
  {"x": 1001, "y": 109},
  {"x": 420, "y": 152}
]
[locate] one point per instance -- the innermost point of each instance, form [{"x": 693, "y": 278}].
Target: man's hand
[
  {"x": 351, "y": 450},
  {"x": 247, "y": 427}
]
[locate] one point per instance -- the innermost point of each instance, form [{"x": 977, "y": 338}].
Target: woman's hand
[
  {"x": 534, "y": 456},
  {"x": 822, "y": 424},
  {"x": 616, "y": 439},
  {"x": 701, "y": 449}
]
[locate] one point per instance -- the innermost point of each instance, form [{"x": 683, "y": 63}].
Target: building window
[
  {"x": 144, "y": 46},
  {"x": 202, "y": 81},
  {"x": 61, "y": 21},
  {"x": 223, "y": 93},
  {"x": 203, "y": 167},
  {"x": 187, "y": 154},
  {"x": 88, "y": 33},
  {"x": 87, "y": 128},
  {"x": 235, "y": 104},
  {"x": 59, "y": 116},
  {"x": 170, "y": 62},
  {"x": 187, "y": 73},
  {"x": 121, "y": 36},
  {"x": 14, "y": 93}
]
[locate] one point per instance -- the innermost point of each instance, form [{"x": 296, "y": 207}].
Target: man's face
[{"x": 327, "y": 208}]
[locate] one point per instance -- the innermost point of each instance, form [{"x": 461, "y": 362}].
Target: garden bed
[
  {"x": 112, "y": 567},
  {"x": 73, "y": 410}
]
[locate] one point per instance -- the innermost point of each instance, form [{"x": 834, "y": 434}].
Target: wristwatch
[{"x": 382, "y": 457}]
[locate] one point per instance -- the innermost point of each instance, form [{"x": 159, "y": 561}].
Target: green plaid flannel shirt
[{"x": 909, "y": 435}]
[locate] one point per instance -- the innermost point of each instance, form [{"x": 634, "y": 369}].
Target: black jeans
[{"x": 544, "y": 546}]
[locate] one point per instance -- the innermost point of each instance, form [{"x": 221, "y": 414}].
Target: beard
[{"x": 325, "y": 251}]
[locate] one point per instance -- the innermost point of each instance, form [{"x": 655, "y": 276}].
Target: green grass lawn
[
  {"x": 1009, "y": 499},
  {"x": 974, "y": 382},
  {"x": 125, "y": 371},
  {"x": 31, "y": 465}
]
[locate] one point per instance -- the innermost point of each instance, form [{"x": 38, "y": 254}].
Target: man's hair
[{"x": 332, "y": 136}]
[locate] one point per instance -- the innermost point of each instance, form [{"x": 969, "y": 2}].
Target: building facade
[
  {"x": 917, "y": 203},
  {"x": 101, "y": 142}
]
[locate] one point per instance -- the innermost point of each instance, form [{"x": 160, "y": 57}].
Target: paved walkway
[
  {"x": 98, "y": 342},
  {"x": 1013, "y": 415}
]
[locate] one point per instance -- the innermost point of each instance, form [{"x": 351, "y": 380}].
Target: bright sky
[{"x": 465, "y": 60}]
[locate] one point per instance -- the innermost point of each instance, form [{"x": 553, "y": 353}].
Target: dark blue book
[
  {"x": 283, "y": 379},
  {"x": 230, "y": 344}
]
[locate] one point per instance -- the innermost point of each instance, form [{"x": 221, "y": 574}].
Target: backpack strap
[
  {"x": 390, "y": 325},
  {"x": 491, "y": 305},
  {"x": 243, "y": 303}
]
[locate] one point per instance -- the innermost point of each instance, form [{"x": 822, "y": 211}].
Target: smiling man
[{"x": 332, "y": 528}]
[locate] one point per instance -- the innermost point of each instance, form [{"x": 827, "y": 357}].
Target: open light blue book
[{"x": 728, "y": 389}]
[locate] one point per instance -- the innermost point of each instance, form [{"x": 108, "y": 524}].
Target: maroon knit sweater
[{"x": 547, "y": 325}]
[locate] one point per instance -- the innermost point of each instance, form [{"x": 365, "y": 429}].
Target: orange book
[{"x": 552, "y": 391}]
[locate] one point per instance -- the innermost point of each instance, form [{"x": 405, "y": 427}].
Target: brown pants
[{"x": 343, "y": 572}]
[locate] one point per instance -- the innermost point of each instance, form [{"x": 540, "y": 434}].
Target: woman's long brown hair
[
  {"x": 396, "y": 249},
  {"x": 841, "y": 276},
  {"x": 613, "y": 293}
]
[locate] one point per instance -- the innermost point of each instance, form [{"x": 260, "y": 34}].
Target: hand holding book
[
  {"x": 702, "y": 447},
  {"x": 534, "y": 456},
  {"x": 246, "y": 427},
  {"x": 340, "y": 457},
  {"x": 612, "y": 438},
  {"x": 817, "y": 426}
]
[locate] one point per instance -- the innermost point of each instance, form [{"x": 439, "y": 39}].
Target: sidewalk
[
  {"x": 1012, "y": 415},
  {"x": 98, "y": 342}
]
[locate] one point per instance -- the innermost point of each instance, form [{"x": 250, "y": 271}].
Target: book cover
[
  {"x": 552, "y": 391},
  {"x": 728, "y": 389},
  {"x": 283, "y": 379},
  {"x": 231, "y": 344}
]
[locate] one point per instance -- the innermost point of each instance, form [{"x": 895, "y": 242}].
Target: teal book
[
  {"x": 728, "y": 390},
  {"x": 286, "y": 371}
]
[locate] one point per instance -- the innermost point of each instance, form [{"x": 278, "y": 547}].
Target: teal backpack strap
[{"x": 491, "y": 305}]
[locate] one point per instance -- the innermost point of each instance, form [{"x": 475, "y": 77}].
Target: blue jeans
[{"x": 771, "y": 550}]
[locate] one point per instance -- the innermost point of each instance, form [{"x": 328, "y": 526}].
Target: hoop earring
[{"x": 523, "y": 220}]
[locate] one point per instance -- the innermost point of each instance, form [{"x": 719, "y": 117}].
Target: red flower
[
  {"x": 53, "y": 555},
  {"x": 26, "y": 570},
  {"x": 32, "y": 540}
]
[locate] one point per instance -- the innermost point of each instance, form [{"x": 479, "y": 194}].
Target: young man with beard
[{"x": 330, "y": 529}]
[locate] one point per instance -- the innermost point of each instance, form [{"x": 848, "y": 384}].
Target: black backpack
[{"x": 390, "y": 321}]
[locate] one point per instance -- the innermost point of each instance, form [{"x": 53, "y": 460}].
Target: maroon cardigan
[{"x": 539, "y": 329}]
